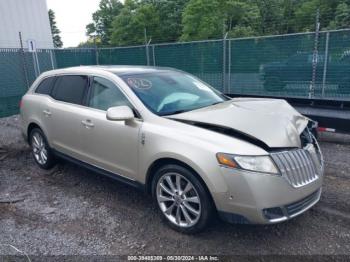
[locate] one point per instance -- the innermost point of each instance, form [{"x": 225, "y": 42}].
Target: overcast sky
[{"x": 72, "y": 16}]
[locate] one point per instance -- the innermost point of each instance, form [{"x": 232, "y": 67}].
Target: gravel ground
[{"x": 71, "y": 211}]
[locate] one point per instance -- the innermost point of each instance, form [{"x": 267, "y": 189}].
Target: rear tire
[
  {"x": 41, "y": 150},
  {"x": 182, "y": 199}
]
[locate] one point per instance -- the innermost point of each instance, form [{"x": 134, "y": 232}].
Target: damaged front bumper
[{"x": 260, "y": 198}]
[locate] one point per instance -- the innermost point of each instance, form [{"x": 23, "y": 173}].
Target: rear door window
[
  {"x": 45, "y": 87},
  {"x": 71, "y": 89}
]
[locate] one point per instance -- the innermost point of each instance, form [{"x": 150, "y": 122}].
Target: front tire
[
  {"x": 182, "y": 198},
  {"x": 41, "y": 151}
]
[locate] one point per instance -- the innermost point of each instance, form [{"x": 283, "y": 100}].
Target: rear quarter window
[
  {"x": 45, "y": 86},
  {"x": 70, "y": 89}
]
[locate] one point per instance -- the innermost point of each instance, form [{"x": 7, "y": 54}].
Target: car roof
[{"x": 116, "y": 69}]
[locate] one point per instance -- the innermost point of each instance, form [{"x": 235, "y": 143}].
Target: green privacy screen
[
  {"x": 123, "y": 56},
  {"x": 18, "y": 70},
  {"x": 12, "y": 83},
  {"x": 291, "y": 66},
  {"x": 202, "y": 59},
  {"x": 75, "y": 57},
  {"x": 277, "y": 66},
  {"x": 337, "y": 73},
  {"x": 107, "y": 56},
  {"x": 303, "y": 65}
]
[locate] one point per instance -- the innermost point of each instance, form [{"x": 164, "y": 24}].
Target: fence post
[
  {"x": 37, "y": 62},
  {"x": 96, "y": 51},
  {"x": 229, "y": 66},
  {"x": 51, "y": 59},
  {"x": 34, "y": 65},
  {"x": 224, "y": 64},
  {"x": 315, "y": 56},
  {"x": 96, "y": 55},
  {"x": 147, "y": 56},
  {"x": 325, "y": 64},
  {"x": 147, "y": 51},
  {"x": 154, "y": 56},
  {"x": 24, "y": 60}
]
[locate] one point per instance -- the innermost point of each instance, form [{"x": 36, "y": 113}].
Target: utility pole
[{"x": 315, "y": 56}]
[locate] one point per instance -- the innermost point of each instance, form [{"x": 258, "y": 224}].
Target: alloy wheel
[
  {"x": 178, "y": 200},
  {"x": 39, "y": 148}
]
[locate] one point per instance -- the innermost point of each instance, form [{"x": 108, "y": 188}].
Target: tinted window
[
  {"x": 105, "y": 94},
  {"x": 70, "y": 89},
  {"x": 45, "y": 87}
]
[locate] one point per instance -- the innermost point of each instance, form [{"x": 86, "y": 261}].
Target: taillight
[
  {"x": 20, "y": 103},
  {"x": 326, "y": 129}
]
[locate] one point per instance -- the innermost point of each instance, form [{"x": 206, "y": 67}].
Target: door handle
[
  {"x": 87, "y": 123},
  {"x": 47, "y": 113}
]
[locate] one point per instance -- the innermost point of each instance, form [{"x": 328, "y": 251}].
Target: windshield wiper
[
  {"x": 173, "y": 113},
  {"x": 183, "y": 111},
  {"x": 219, "y": 102}
]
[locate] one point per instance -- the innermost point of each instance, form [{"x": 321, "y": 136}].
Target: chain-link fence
[
  {"x": 305, "y": 65},
  {"x": 18, "y": 70},
  {"x": 283, "y": 66}
]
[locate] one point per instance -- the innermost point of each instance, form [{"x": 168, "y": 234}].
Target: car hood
[{"x": 271, "y": 121}]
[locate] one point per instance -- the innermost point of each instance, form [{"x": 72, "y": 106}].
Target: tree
[
  {"x": 170, "y": 16},
  {"x": 205, "y": 19},
  {"x": 241, "y": 18},
  {"x": 202, "y": 19},
  {"x": 307, "y": 10},
  {"x": 160, "y": 18},
  {"x": 90, "y": 43},
  {"x": 274, "y": 15},
  {"x": 103, "y": 19},
  {"x": 129, "y": 26},
  {"x": 186, "y": 20},
  {"x": 342, "y": 17},
  {"x": 56, "y": 38}
]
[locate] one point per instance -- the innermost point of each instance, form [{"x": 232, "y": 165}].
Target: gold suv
[{"x": 195, "y": 150}]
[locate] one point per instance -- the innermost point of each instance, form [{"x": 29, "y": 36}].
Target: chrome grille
[{"x": 300, "y": 166}]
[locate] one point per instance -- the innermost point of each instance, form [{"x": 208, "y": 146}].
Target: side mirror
[{"x": 120, "y": 113}]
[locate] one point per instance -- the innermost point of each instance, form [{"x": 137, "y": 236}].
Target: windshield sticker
[{"x": 139, "y": 83}]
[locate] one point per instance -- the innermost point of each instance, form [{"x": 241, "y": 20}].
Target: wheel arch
[
  {"x": 167, "y": 161},
  {"x": 31, "y": 126}
]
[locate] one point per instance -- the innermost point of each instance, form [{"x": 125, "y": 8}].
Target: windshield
[{"x": 167, "y": 93}]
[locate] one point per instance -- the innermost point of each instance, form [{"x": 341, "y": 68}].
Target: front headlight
[{"x": 262, "y": 164}]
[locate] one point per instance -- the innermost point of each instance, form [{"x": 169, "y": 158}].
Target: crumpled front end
[
  {"x": 272, "y": 122},
  {"x": 287, "y": 137},
  {"x": 264, "y": 198}
]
